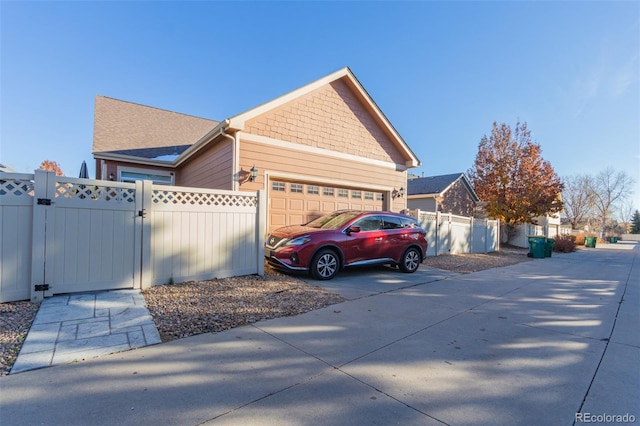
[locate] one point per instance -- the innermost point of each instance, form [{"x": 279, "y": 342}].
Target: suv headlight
[{"x": 298, "y": 241}]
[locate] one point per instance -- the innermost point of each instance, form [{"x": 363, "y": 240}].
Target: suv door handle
[{"x": 379, "y": 239}]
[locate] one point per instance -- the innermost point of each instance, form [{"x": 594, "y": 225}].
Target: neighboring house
[
  {"x": 323, "y": 147},
  {"x": 6, "y": 169},
  {"x": 445, "y": 193}
]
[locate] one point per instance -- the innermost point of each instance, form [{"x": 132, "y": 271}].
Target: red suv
[{"x": 347, "y": 238}]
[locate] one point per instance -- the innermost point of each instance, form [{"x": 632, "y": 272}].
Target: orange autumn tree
[
  {"x": 51, "y": 166},
  {"x": 513, "y": 179}
]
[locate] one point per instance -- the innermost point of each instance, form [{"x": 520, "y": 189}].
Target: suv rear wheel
[
  {"x": 410, "y": 260},
  {"x": 325, "y": 264}
]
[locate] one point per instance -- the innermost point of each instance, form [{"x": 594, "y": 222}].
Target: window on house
[
  {"x": 343, "y": 193},
  {"x": 157, "y": 177},
  {"x": 313, "y": 189},
  {"x": 296, "y": 187},
  {"x": 278, "y": 186},
  {"x": 327, "y": 191},
  {"x": 378, "y": 196},
  {"x": 368, "y": 195},
  {"x": 356, "y": 194}
]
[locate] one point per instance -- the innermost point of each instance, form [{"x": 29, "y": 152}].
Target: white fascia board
[
  {"x": 133, "y": 159},
  {"x": 201, "y": 142},
  {"x": 237, "y": 122}
]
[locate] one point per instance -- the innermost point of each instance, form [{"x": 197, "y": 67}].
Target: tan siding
[
  {"x": 317, "y": 168},
  {"x": 331, "y": 117},
  {"x": 211, "y": 168},
  {"x": 267, "y": 157}
]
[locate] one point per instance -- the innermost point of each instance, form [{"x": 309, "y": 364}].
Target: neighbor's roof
[
  {"x": 437, "y": 185},
  {"x": 6, "y": 169},
  {"x": 128, "y": 128}
]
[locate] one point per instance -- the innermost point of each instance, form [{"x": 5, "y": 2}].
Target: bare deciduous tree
[
  {"x": 610, "y": 188},
  {"x": 577, "y": 197}
]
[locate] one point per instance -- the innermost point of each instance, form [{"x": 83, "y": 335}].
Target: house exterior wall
[
  {"x": 211, "y": 168},
  {"x": 111, "y": 166},
  {"x": 457, "y": 200},
  {"x": 303, "y": 165},
  {"x": 331, "y": 117},
  {"x": 424, "y": 204}
]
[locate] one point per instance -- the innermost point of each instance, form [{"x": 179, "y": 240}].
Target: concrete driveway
[{"x": 551, "y": 341}]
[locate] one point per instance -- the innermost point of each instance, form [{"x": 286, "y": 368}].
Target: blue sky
[{"x": 442, "y": 72}]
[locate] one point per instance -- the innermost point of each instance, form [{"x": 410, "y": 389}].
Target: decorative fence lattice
[
  {"x": 16, "y": 186},
  {"x": 81, "y": 191},
  {"x": 203, "y": 198}
]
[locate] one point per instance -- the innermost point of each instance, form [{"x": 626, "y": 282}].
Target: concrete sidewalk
[{"x": 533, "y": 343}]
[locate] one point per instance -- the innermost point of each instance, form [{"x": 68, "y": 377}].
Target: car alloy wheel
[
  {"x": 410, "y": 260},
  {"x": 325, "y": 265}
]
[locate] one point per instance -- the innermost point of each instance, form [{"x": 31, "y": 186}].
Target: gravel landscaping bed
[
  {"x": 190, "y": 308},
  {"x": 15, "y": 321},
  {"x": 187, "y": 309}
]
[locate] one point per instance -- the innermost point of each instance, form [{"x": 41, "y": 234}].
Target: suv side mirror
[{"x": 354, "y": 229}]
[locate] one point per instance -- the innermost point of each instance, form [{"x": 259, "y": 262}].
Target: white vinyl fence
[
  {"x": 66, "y": 235},
  {"x": 451, "y": 234}
]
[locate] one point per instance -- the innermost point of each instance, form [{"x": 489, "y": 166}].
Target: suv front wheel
[
  {"x": 410, "y": 260},
  {"x": 325, "y": 264}
]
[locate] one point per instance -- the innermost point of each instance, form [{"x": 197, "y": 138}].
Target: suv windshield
[{"x": 333, "y": 221}]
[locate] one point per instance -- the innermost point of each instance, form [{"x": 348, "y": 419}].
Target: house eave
[{"x": 133, "y": 159}]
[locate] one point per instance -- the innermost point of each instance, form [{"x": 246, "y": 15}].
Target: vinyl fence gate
[{"x": 67, "y": 235}]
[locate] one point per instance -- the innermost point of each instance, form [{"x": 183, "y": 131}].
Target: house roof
[
  {"x": 139, "y": 128},
  {"x": 438, "y": 185},
  {"x": 130, "y": 129}
]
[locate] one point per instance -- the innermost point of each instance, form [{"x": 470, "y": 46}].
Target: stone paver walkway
[{"x": 81, "y": 326}]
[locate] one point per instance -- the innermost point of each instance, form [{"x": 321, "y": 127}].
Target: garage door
[{"x": 294, "y": 203}]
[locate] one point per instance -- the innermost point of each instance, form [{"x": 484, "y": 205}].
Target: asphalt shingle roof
[
  {"x": 121, "y": 127},
  {"x": 431, "y": 184}
]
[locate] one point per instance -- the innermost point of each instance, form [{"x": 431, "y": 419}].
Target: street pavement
[{"x": 551, "y": 341}]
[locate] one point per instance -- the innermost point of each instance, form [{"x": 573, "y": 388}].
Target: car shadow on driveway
[{"x": 355, "y": 283}]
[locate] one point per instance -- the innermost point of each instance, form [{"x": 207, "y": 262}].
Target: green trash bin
[
  {"x": 613, "y": 240},
  {"x": 548, "y": 250},
  {"x": 537, "y": 246},
  {"x": 590, "y": 242}
]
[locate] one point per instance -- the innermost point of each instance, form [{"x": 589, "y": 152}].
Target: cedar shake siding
[{"x": 331, "y": 117}]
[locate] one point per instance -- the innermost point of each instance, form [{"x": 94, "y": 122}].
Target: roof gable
[
  {"x": 342, "y": 90},
  {"x": 438, "y": 185}
]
